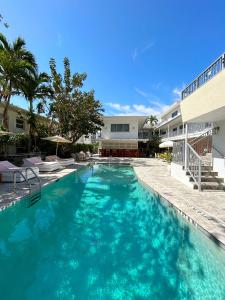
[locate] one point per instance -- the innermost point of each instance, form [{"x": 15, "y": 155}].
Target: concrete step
[
  {"x": 206, "y": 173},
  {"x": 210, "y": 186},
  {"x": 205, "y": 168},
  {"x": 209, "y": 178}
]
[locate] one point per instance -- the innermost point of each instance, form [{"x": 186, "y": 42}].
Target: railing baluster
[{"x": 210, "y": 72}]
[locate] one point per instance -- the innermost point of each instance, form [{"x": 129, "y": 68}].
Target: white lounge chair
[
  {"x": 62, "y": 161},
  {"x": 44, "y": 166},
  {"x": 88, "y": 154},
  {"x": 7, "y": 170}
]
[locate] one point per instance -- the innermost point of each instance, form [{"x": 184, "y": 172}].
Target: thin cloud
[
  {"x": 142, "y": 93},
  {"x": 156, "y": 86},
  {"x": 139, "y": 51},
  {"x": 135, "y": 109},
  {"x": 177, "y": 92}
]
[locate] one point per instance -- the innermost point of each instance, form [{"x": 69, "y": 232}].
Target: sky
[{"x": 138, "y": 55}]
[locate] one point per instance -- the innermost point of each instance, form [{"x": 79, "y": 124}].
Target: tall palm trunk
[
  {"x": 6, "y": 108},
  {"x": 31, "y": 125},
  {"x": 5, "y": 113}
]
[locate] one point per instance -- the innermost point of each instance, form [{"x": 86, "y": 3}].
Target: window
[
  {"x": 120, "y": 127},
  {"x": 19, "y": 123},
  {"x": 181, "y": 127},
  {"x": 174, "y": 114},
  {"x": 175, "y": 129}
]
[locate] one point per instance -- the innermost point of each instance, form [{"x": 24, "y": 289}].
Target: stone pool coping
[{"x": 206, "y": 210}]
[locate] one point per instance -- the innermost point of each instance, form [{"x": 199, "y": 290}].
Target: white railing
[
  {"x": 216, "y": 67},
  {"x": 178, "y": 152},
  {"x": 194, "y": 165}
]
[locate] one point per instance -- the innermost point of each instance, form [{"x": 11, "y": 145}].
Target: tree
[
  {"x": 36, "y": 88},
  {"x": 2, "y": 20},
  {"x": 17, "y": 64},
  {"x": 152, "y": 120},
  {"x": 77, "y": 111}
]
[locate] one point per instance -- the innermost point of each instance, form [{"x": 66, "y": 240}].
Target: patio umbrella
[
  {"x": 58, "y": 140},
  {"x": 168, "y": 144}
]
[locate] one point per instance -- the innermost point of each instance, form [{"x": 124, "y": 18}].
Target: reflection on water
[{"x": 100, "y": 235}]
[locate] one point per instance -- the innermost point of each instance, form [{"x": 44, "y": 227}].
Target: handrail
[
  {"x": 217, "y": 66},
  {"x": 194, "y": 165},
  {"x": 35, "y": 175},
  {"x": 193, "y": 150},
  {"x": 24, "y": 177},
  {"x": 203, "y": 135}
]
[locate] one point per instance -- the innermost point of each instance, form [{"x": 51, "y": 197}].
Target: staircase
[
  {"x": 199, "y": 172},
  {"x": 209, "y": 178}
]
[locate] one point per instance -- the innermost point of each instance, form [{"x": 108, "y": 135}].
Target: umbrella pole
[{"x": 57, "y": 149}]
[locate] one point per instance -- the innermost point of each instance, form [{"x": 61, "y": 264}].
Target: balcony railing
[
  {"x": 193, "y": 129},
  {"x": 216, "y": 67}
]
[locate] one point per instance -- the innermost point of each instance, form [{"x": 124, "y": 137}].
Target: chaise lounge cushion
[
  {"x": 62, "y": 161},
  {"x": 42, "y": 165}
]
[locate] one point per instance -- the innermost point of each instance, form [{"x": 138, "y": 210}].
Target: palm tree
[
  {"x": 17, "y": 64},
  {"x": 36, "y": 88},
  {"x": 151, "y": 120}
]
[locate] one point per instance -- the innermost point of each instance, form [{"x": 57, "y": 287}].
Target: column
[{"x": 186, "y": 147}]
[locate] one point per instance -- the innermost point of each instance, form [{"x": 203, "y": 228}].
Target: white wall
[
  {"x": 179, "y": 174},
  {"x": 218, "y": 141},
  {"x": 133, "y": 128}
]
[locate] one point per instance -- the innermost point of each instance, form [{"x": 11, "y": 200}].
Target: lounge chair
[
  {"x": 88, "y": 154},
  {"x": 44, "y": 166},
  {"x": 7, "y": 170},
  {"x": 62, "y": 161}
]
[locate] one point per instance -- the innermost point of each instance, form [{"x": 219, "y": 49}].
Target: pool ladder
[{"x": 34, "y": 196}]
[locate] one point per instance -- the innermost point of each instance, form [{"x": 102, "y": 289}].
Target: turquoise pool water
[{"x": 101, "y": 235}]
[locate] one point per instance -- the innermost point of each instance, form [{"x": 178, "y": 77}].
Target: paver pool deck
[{"x": 205, "y": 209}]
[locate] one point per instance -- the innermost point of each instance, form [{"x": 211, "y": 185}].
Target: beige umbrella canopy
[
  {"x": 168, "y": 144},
  {"x": 58, "y": 140}
]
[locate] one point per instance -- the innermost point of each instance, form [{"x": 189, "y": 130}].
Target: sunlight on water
[{"x": 100, "y": 235}]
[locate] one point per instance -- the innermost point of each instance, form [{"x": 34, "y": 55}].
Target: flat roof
[{"x": 128, "y": 117}]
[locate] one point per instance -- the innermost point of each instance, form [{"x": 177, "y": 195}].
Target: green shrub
[
  {"x": 167, "y": 156},
  {"x": 85, "y": 147}
]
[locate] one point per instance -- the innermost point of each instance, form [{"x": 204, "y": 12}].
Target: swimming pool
[{"x": 99, "y": 234}]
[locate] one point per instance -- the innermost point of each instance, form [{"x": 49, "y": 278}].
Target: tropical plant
[
  {"x": 153, "y": 144},
  {"x": 17, "y": 64},
  {"x": 36, "y": 88},
  {"x": 77, "y": 112},
  {"x": 152, "y": 120},
  {"x": 2, "y": 20},
  {"x": 167, "y": 156}
]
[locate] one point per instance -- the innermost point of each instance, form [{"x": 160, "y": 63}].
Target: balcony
[
  {"x": 194, "y": 130},
  {"x": 216, "y": 67},
  {"x": 203, "y": 100}
]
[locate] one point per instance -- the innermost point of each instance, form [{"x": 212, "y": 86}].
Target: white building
[
  {"x": 124, "y": 136},
  {"x": 203, "y": 101},
  {"x": 172, "y": 128}
]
